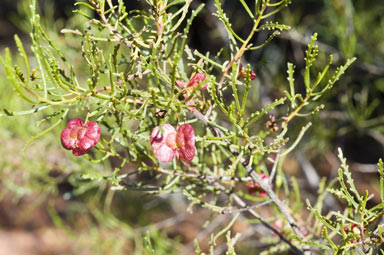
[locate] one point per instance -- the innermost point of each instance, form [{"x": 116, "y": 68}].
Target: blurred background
[{"x": 47, "y": 207}]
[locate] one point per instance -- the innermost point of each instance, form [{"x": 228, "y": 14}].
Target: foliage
[
  {"x": 127, "y": 82},
  {"x": 357, "y": 226}
]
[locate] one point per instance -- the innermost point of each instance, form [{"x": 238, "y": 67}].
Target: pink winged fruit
[
  {"x": 79, "y": 137},
  {"x": 167, "y": 142}
]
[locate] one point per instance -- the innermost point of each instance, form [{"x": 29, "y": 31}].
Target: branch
[
  {"x": 112, "y": 30},
  {"x": 295, "y": 37},
  {"x": 242, "y": 204},
  {"x": 208, "y": 178},
  {"x": 248, "y": 165},
  {"x": 240, "y": 52}
]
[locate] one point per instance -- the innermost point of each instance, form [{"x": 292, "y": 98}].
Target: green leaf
[
  {"x": 20, "y": 47},
  {"x": 270, "y": 25},
  {"x": 11, "y": 75},
  {"x": 258, "y": 114},
  {"x": 247, "y": 9},
  {"x": 291, "y": 95},
  {"x": 310, "y": 56},
  {"x": 46, "y": 130},
  {"x": 339, "y": 71},
  {"x": 381, "y": 172},
  {"x": 148, "y": 243}
]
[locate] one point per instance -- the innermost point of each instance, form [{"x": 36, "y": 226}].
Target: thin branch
[
  {"x": 309, "y": 171},
  {"x": 267, "y": 188},
  {"x": 242, "y": 204},
  {"x": 283, "y": 209},
  {"x": 207, "y": 230},
  {"x": 293, "y": 35},
  {"x": 243, "y": 47},
  {"x": 164, "y": 223},
  {"x": 208, "y": 178},
  {"x": 274, "y": 168},
  {"x": 112, "y": 30}
]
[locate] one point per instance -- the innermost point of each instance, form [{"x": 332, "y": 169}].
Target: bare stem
[
  {"x": 242, "y": 204},
  {"x": 208, "y": 178}
]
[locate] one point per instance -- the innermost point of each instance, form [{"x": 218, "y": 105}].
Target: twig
[
  {"x": 164, "y": 223},
  {"x": 208, "y": 178},
  {"x": 222, "y": 248},
  {"x": 283, "y": 209},
  {"x": 203, "y": 234},
  {"x": 274, "y": 168},
  {"x": 250, "y": 207},
  {"x": 112, "y": 30},
  {"x": 242, "y": 204},
  {"x": 293, "y": 35},
  {"x": 243, "y": 47},
  {"x": 129, "y": 78},
  {"x": 309, "y": 171}
]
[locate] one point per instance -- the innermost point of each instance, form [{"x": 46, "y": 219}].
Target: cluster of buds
[
  {"x": 79, "y": 137},
  {"x": 189, "y": 86},
  {"x": 271, "y": 124},
  {"x": 243, "y": 74},
  {"x": 355, "y": 229},
  {"x": 167, "y": 142},
  {"x": 254, "y": 187}
]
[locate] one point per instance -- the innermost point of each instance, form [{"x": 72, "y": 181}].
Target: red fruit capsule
[
  {"x": 185, "y": 141},
  {"x": 198, "y": 77},
  {"x": 79, "y": 137},
  {"x": 189, "y": 87}
]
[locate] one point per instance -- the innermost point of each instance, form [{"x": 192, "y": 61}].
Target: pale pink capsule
[
  {"x": 167, "y": 143},
  {"x": 163, "y": 141}
]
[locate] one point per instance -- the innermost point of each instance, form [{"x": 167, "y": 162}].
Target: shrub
[{"x": 140, "y": 78}]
